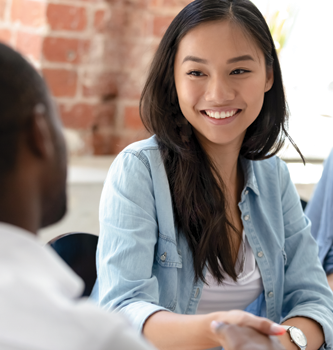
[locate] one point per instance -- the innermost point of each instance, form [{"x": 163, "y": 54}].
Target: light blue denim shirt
[
  {"x": 144, "y": 265},
  {"x": 320, "y": 211}
]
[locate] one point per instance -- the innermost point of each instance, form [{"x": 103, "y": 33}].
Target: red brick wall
[{"x": 94, "y": 55}]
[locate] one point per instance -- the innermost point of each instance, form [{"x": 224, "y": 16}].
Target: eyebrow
[
  {"x": 231, "y": 60},
  {"x": 241, "y": 58},
  {"x": 195, "y": 59}
]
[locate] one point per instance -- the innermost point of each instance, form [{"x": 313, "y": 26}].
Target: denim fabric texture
[
  {"x": 320, "y": 212},
  {"x": 144, "y": 264}
]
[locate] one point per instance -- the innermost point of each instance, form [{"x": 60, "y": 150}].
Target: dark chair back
[
  {"x": 78, "y": 250},
  {"x": 304, "y": 203}
]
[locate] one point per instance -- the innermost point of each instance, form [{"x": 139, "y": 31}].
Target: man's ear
[
  {"x": 40, "y": 136},
  {"x": 269, "y": 79}
]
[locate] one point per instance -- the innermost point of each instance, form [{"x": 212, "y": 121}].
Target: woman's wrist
[
  {"x": 208, "y": 331},
  {"x": 310, "y": 328},
  {"x": 287, "y": 343}
]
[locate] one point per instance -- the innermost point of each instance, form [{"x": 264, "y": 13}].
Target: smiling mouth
[{"x": 221, "y": 114}]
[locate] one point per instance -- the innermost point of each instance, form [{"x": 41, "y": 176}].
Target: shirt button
[
  {"x": 197, "y": 292},
  {"x": 270, "y": 294},
  {"x": 246, "y": 192},
  {"x": 260, "y": 254},
  {"x": 246, "y": 217},
  {"x": 163, "y": 256}
]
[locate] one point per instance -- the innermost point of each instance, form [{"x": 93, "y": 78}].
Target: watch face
[{"x": 298, "y": 336}]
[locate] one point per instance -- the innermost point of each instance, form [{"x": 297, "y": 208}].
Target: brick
[
  {"x": 104, "y": 115},
  {"x": 160, "y": 24},
  {"x": 130, "y": 86},
  {"x": 65, "y": 17},
  {"x": 100, "y": 84},
  {"x": 5, "y": 35},
  {"x": 134, "y": 4},
  {"x": 175, "y": 3},
  {"x": 132, "y": 118},
  {"x": 154, "y": 3},
  {"x": 62, "y": 82},
  {"x": 29, "y": 44},
  {"x": 106, "y": 142},
  {"x": 29, "y": 13},
  {"x": 78, "y": 116},
  {"x": 124, "y": 140},
  {"x": 138, "y": 3},
  {"x": 117, "y": 20},
  {"x": 64, "y": 50},
  {"x": 99, "y": 20},
  {"x": 3, "y": 4},
  {"x": 136, "y": 24},
  {"x": 135, "y": 58}
]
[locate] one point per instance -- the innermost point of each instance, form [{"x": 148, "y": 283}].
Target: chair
[
  {"x": 78, "y": 250},
  {"x": 304, "y": 203}
]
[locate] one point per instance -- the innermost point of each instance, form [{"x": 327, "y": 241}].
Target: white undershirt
[{"x": 232, "y": 295}]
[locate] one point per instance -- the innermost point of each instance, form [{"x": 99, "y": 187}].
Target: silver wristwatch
[{"x": 297, "y": 337}]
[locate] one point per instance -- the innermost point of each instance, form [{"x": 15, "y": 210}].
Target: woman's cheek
[{"x": 188, "y": 96}]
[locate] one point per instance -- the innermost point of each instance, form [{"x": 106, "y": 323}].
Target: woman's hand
[
  {"x": 245, "y": 319},
  {"x": 243, "y": 338},
  {"x": 167, "y": 330}
]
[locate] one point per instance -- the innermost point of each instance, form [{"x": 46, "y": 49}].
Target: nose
[{"x": 219, "y": 90}]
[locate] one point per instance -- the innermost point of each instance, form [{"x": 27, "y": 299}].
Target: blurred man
[{"x": 39, "y": 294}]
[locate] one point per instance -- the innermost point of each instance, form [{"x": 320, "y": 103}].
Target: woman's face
[{"x": 221, "y": 79}]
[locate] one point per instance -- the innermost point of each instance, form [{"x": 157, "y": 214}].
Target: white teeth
[{"x": 221, "y": 115}]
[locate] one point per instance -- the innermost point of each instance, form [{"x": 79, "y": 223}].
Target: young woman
[{"x": 202, "y": 220}]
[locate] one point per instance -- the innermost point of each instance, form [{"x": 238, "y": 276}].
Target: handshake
[{"x": 244, "y": 338}]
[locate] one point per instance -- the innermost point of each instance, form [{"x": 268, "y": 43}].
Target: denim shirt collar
[{"x": 249, "y": 175}]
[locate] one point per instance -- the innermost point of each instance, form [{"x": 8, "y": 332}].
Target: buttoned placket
[{"x": 261, "y": 260}]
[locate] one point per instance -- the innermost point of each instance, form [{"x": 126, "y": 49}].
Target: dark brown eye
[
  {"x": 195, "y": 73},
  {"x": 239, "y": 71}
]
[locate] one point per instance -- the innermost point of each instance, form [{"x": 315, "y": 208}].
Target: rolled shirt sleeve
[{"x": 302, "y": 268}]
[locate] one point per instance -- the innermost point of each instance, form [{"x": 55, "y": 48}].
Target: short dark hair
[
  {"x": 197, "y": 190},
  {"x": 21, "y": 89}
]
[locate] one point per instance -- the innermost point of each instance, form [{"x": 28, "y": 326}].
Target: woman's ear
[
  {"x": 40, "y": 135},
  {"x": 269, "y": 79}
]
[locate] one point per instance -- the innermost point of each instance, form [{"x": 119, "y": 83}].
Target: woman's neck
[{"x": 226, "y": 161}]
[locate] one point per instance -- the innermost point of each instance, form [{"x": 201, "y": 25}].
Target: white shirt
[
  {"x": 231, "y": 295},
  {"x": 39, "y": 305}
]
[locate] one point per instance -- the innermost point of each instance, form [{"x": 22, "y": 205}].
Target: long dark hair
[{"x": 197, "y": 190}]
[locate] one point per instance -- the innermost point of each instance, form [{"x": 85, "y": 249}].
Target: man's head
[{"x": 32, "y": 148}]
